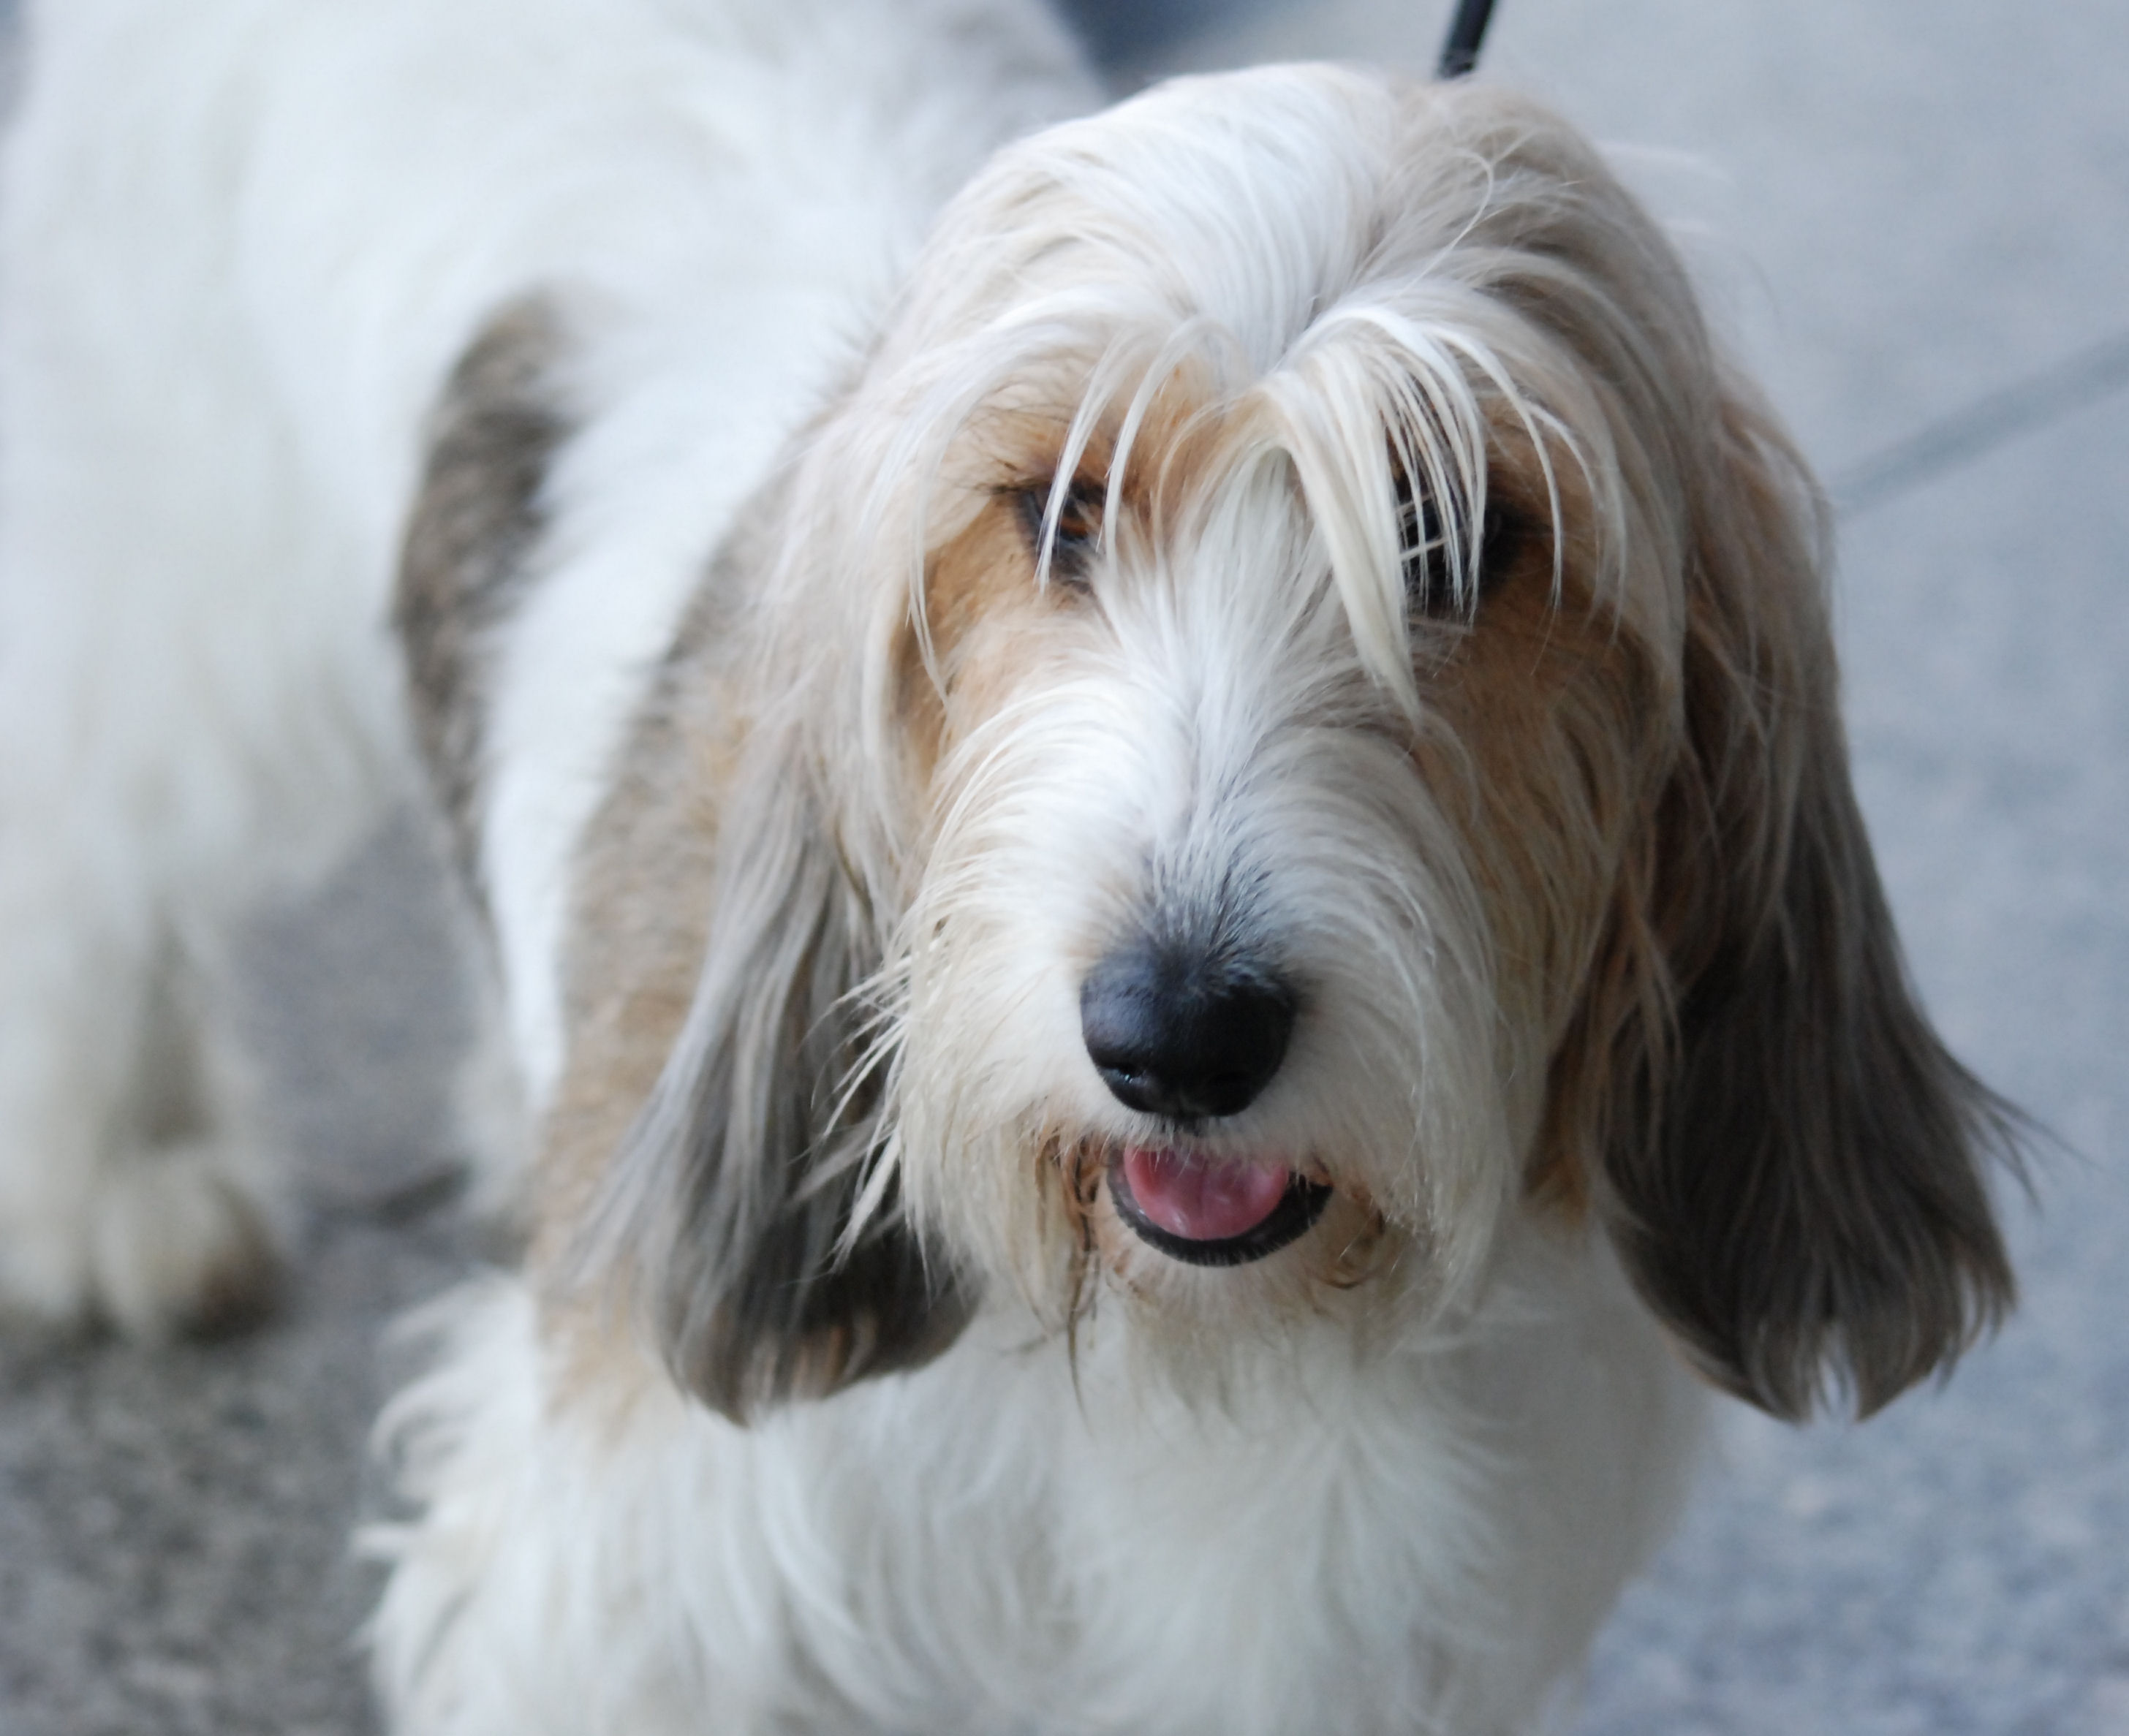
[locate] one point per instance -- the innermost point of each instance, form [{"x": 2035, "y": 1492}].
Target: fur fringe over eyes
[{"x": 1420, "y": 313}]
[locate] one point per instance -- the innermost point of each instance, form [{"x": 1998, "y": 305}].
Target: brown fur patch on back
[
  {"x": 476, "y": 521},
  {"x": 1551, "y": 715}
]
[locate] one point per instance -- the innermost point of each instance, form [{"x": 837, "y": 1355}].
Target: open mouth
[{"x": 1210, "y": 1212}]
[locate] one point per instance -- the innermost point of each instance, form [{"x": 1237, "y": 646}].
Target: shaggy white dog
[{"x": 1170, "y": 859}]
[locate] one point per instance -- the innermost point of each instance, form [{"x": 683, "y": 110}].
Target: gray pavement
[{"x": 1913, "y": 216}]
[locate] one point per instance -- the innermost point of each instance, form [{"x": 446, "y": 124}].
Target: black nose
[{"x": 1175, "y": 1033}]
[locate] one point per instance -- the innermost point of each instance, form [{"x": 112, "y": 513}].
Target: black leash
[{"x": 1467, "y": 30}]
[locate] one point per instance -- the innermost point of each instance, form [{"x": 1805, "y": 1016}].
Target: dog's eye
[
  {"x": 1078, "y": 528},
  {"x": 1432, "y": 589}
]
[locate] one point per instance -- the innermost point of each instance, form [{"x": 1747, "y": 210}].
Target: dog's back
[{"x": 245, "y": 245}]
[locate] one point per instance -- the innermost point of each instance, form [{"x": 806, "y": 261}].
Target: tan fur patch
[
  {"x": 642, "y": 926},
  {"x": 1551, "y": 718}
]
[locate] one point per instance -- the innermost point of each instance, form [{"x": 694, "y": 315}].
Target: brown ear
[
  {"x": 1794, "y": 1161},
  {"x": 716, "y": 1101}
]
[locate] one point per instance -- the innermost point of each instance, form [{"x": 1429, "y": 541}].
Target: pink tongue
[{"x": 1199, "y": 1201}]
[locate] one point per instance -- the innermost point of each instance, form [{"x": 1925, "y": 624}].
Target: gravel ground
[{"x": 1915, "y": 222}]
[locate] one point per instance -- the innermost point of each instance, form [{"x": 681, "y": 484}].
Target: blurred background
[{"x": 1912, "y": 218}]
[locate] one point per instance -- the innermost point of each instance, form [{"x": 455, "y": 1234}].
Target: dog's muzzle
[{"x": 1182, "y": 1037}]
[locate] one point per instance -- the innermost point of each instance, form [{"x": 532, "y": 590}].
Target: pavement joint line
[{"x": 2080, "y": 380}]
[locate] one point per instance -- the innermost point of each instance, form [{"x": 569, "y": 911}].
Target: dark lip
[{"x": 1293, "y": 1218}]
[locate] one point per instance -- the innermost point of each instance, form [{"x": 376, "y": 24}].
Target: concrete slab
[{"x": 174, "y": 1522}]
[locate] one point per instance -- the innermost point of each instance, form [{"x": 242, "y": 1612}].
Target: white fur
[{"x": 1415, "y": 1541}]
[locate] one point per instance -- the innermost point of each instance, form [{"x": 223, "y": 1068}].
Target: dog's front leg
[{"x": 135, "y": 1186}]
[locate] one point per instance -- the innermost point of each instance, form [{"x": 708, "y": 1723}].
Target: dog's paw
[
  {"x": 182, "y": 1240},
  {"x": 175, "y": 1240}
]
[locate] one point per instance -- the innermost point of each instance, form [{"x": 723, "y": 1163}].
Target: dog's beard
[{"x": 1282, "y": 812}]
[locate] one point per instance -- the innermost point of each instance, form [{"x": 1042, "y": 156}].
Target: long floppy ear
[
  {"x": 716, "y": 1105},
  {"x": 1794, "y": 1163}
]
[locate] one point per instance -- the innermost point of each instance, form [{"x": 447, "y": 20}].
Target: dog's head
[{"x": 1292, "y": 716}]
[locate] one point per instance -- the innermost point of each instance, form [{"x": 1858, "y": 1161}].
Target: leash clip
[{"x": 1467, "y": 30}]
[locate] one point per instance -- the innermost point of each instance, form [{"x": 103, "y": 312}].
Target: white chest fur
[{"x": 1357, "y": 1544}]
